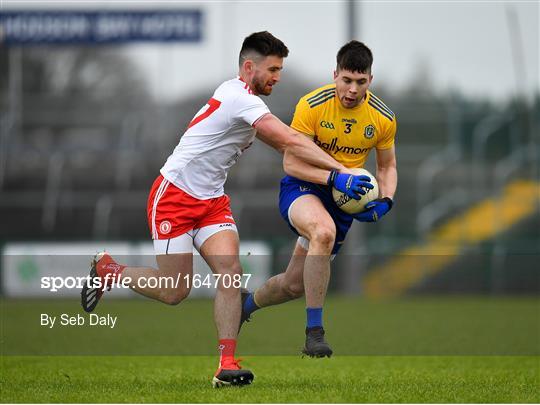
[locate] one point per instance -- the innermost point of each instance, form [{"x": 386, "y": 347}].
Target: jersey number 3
[{"x": 213, "y": 105}]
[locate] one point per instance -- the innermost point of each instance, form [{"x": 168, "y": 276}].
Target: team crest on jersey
[
  {"x": 165, "y": 227},
  {"x": 369, "y": 131}
]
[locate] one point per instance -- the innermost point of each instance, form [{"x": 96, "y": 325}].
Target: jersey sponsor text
[{"x": 333, "y": 147}]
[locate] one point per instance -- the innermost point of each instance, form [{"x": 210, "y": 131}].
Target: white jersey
[{"x": 214, "y": 140}]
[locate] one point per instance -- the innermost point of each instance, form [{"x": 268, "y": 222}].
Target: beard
[{"x": 260, "y": 87}]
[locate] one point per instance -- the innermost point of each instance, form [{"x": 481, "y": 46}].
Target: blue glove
[
  {"x": 349, "y": 184},
  {"x": 375, "y": 210}
]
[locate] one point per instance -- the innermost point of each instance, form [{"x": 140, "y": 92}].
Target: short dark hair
[
  {"x": 354, "y": 56},
  {"x": 264, "y": 44}
]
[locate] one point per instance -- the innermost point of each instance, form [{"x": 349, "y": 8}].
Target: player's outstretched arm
[
  {"x": 272, "y": 131},
  {"x": 298, "y": 168},
  {"x": 344, "y": 181}
]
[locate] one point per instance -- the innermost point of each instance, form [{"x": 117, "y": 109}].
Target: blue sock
[
  {"x": 249, "y": 304},
  {"x": 314, "y": 317}
]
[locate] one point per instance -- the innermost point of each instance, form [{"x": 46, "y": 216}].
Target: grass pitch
[
  {"x": 186, "y": 379},
  {"x": 415, "y": 350}
]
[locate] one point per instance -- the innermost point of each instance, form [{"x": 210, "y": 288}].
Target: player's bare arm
[
  {"x": 302, "y": 170},
  {"x": 386, "y": 174},
  {"x": 272, "y": 131},
  {"x": 387, "y": 179},
  {"x": 344, "y": 180}
]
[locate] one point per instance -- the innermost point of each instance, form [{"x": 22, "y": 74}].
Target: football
[{"x": 352, "y": 206}]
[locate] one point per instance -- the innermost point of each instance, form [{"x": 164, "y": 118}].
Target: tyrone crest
[
  {"x": 165, "y": 227},
  {"x": 369, "y": 131}
]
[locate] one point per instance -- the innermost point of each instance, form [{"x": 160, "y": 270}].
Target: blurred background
[{"x": 93, "y": 101}]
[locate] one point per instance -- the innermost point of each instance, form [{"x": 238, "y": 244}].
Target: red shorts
[{"x": 172, "y": 212}]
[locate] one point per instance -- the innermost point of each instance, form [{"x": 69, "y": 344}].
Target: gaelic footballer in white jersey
[
  {"x": 187, "y": 206},
  {"x": 214, "y": 141}
]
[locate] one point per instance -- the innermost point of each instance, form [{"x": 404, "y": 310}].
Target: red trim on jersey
[
  {"x": 246, "y": 87},
  {"x": 213, "y": 106},
  {"x": 254, "y": 125}
]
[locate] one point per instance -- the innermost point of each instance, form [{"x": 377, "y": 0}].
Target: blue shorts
[{"x": 292, "y": 188}]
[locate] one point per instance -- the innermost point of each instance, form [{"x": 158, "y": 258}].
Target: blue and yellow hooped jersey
[{"x": 346, "y": 134}]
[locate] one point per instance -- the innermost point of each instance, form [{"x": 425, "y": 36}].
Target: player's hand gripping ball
[
  {"x": 375, "y": 210},
  {"x": 364, "y": 195}
]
